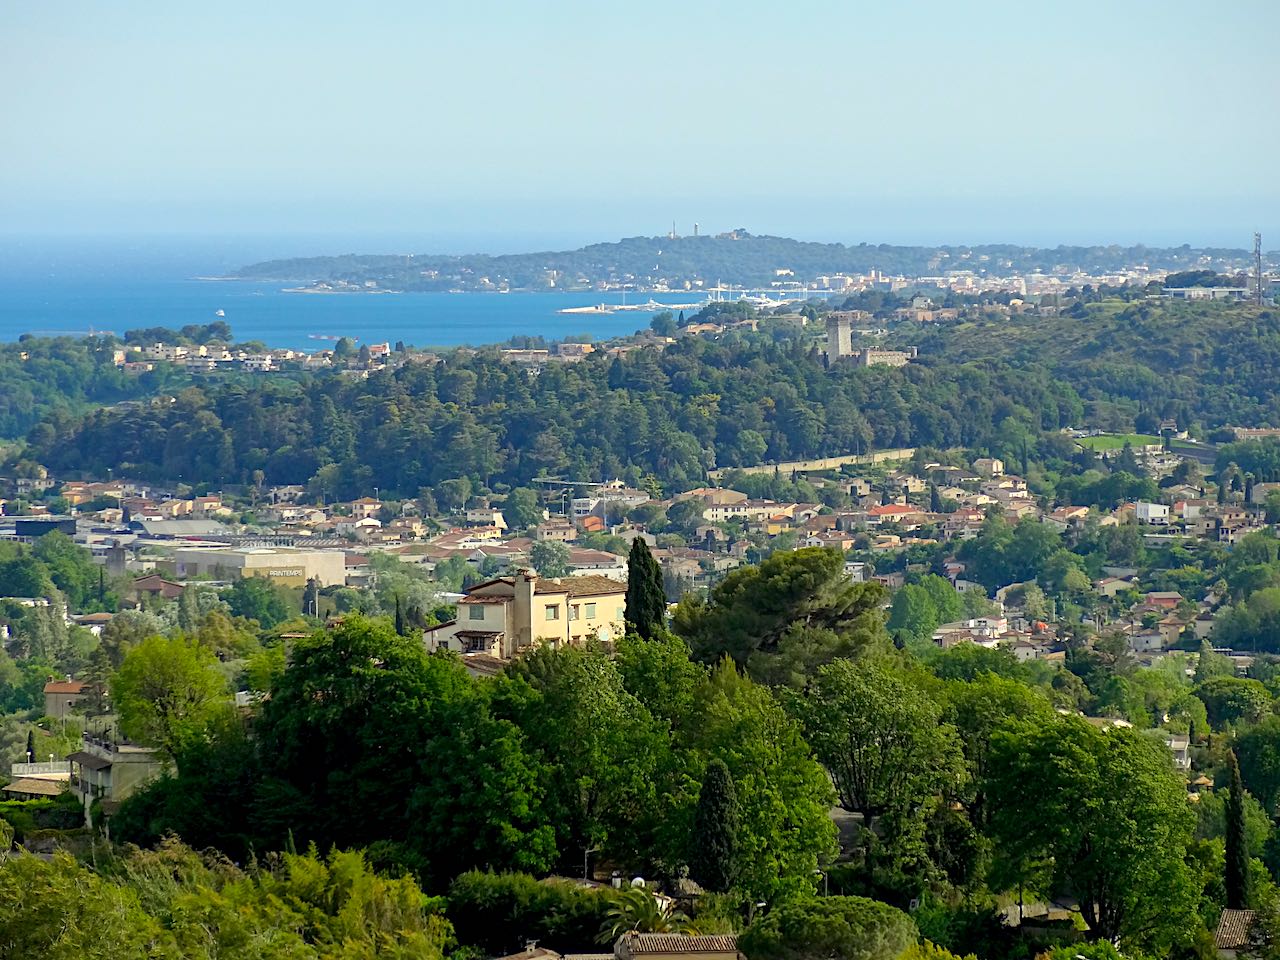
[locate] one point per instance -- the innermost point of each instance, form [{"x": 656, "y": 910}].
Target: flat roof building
[{"x": 284, "y": 565}]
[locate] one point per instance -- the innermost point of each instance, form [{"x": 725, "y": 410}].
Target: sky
[{"x": 445, "y": 127}]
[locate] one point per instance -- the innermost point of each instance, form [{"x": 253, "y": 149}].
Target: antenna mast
[{"x": 1257, "y": 269}]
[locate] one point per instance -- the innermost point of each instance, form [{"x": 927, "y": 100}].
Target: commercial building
[
  {"x": 284, "y": 565},
  {"x": 1208, "y": 293},
  {"x": 32, "y": 528}
]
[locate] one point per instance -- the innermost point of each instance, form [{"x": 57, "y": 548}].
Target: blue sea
[{"x": 46, "y": 290}]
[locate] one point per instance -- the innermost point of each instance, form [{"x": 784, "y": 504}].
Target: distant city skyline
[{"x": 504, "y": 126}]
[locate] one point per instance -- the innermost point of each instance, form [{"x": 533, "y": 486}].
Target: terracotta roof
[
  {"x": 45, "y": 788},
  {"x": 583, "y": 555},
  {"x": 533, "y": 953},
  {"x": 65, "y": 686},
  {"x": 638, "y": 943},
  {"x": 588, "y": 585},
  {"x": 483, "y": 664},
  {"x": 1233, "y": 929},
  {"x": 891, "y": 508}
]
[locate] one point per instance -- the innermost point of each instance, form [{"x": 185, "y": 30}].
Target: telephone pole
[{"x": 1257, "y": 269}]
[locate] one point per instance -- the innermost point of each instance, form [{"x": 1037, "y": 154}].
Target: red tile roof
[
  {"x": 891, "y": 509},
  {"x": 1233, "y": 929},
  {"x": 65, "y": 686}
]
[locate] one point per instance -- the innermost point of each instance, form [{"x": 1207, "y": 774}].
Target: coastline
[
  {"x": 258, "y": 310},
  {"x": 319, "y": 290}
]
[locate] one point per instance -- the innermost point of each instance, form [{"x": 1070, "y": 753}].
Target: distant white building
[
  {"x": 1151, "y": 512},
  {"x": 1208, "y": 293}
]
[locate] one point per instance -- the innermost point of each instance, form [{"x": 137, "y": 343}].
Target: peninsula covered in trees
[{"x": 738, "y": 258}]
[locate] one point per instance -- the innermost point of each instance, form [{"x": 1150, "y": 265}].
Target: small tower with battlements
[{"x": 839, "y": 336}]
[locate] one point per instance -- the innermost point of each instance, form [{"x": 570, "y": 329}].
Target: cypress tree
[
  {"x": 646, "y": 599},
  {"x": 713, "y": 862},
  {"x": 399, "y": 617},
  {"x": 188, "y": 611},
  {"x": 311, "y": 598},
  {"x": 31, "y": 746},
  {"x": 935, "y": 499},
  {"x": 1237, "y": 868}
]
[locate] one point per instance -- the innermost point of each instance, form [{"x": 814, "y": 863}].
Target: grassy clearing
[{"x": 1115, "y": 441}]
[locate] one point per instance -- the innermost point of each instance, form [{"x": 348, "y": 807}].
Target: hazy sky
[{"x": 851, "y": 121}]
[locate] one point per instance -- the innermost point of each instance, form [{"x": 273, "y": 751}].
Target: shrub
[
  {"x": 498, "y": 912},
  {"x": 852, "y": 928}
]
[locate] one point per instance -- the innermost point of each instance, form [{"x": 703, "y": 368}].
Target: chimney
[{"x": 520, "y": 633}]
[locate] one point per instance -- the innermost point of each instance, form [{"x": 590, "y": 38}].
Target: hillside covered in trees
[
  {"x": 672, "y": 414},
  {"x": 65, "y": 376},
  {"x": 1217, "y": 360}
]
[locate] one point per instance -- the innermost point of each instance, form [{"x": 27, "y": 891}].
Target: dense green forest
[
  {"x": 673, "y": 414},
  {"x": 65, "y": 376},
  {"x": 1216, "y": 361},
  {"x": 742, "y": 259}
]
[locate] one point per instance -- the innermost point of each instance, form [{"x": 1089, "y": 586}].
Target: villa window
[
  {"x": 476, "y": 612},
  {"x": 553, "y": 612}
]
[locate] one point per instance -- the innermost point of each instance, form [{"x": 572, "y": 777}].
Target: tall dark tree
[
  {"x": 311, "y": 598},
  {"x": 399, "y": 617},
  {"x": 713, "y": 860},
  {"x": 646, "y": 599},
  {"x": 1237, "y": 866},
  {"x": 31, "y": 746},
  {"x": 935, "y": 499}
]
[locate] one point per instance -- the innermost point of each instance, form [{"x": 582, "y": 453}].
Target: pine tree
[
  {"x": 97, "y": 676},
  {"x": 646, "y": 599},
  {"x": 713, "y": 861},
  {"x": 1237, "y": 867}
]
